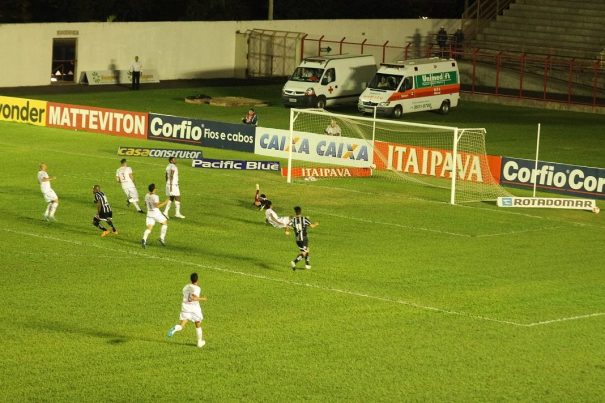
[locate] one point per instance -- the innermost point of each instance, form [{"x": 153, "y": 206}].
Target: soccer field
[{"x": 409, "y": 298}]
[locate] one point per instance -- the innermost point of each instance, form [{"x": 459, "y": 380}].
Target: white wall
[{"x": 177, "y": 50}]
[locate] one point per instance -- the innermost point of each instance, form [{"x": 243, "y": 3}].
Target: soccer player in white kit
[
  {"x": 49, "y": 194},
  {"x": 272, "y": 218},
  {"x": 172, "y": 188},
  {"x": 125, "y": 177},
  {"x": 152, "y": 201},
  {"x": 191, "y": 310}
]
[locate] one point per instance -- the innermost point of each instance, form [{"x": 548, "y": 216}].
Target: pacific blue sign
[
  {"x": 206, "y": 133},
  {"x": 236, "y": 164},
  {"x": 554, "y": 177}
]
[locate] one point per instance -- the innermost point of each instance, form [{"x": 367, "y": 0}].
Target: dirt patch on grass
[{"x": 225, "y": 101}]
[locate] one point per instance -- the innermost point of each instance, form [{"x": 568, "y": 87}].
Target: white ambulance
[
  {"x": 412, "y": 86},
  {"x": 328, "y": 80}
]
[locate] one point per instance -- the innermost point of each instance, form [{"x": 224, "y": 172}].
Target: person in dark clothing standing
[
  {"x": 135, "y": 72},
  {"x": 442, "y": 41}
]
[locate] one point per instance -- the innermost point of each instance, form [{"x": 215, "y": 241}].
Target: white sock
[
  {"x": 146, "y": 234},
  {"x": 167, "y": 207},
  {"x": 136, "y": 204},
  {"x": 47, "y": 212},
  {"x": 178, "y": 328},
  {"x": 177, "y": 207},
  {"x": 163, "y": 231},
  {"x": 53, "y": 208},
  {"x": 198, "y": 332}
]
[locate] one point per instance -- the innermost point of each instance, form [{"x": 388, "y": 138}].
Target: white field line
[
  {"x": 314, "y": 286},
  {"x": 540, "y": 229},
  {"x": 392, "y": 224},
  {"x": 411, "y": 227}
]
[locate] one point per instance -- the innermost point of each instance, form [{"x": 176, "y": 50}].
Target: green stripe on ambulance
[{"x": 436, "y": 79}]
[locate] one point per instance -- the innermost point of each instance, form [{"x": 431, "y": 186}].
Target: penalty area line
[
  {"x": 315, "y": 286},
  {"x": 392, "y": 224}
]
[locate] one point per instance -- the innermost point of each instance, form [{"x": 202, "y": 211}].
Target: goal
[{"x": 330, "y": 145}]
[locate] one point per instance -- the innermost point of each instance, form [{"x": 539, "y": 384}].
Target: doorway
[{"x": 63, "y": 69}]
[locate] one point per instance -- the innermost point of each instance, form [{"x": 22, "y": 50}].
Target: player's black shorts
[
  {"x": 303, "y": 245},
  {"x": 105, "y": 216}
]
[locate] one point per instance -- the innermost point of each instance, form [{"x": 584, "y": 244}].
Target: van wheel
[
  {"x": 398, "y": 112},
  {"x": 321, "y": 102},
  {"x": 444, "y": 108}
]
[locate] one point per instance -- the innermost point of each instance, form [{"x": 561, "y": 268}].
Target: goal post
[{"x": 324, "y": 145}]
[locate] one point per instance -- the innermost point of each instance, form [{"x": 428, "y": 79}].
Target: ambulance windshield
[
  {"x": 388, "y": 82},
  {"x": 306, "y": 74}
]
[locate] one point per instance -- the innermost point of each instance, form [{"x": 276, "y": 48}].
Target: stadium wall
[{"x": 176, "y": 50}]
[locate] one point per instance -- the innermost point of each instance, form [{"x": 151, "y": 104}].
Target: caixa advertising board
[
  {"x": 205, "y": 133},
  {"x": 554, "y": 177}
]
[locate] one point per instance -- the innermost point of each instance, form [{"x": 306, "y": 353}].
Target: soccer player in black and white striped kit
[
  {"x": 104, "y": 212},
  {"x": 300, "y": 224}
]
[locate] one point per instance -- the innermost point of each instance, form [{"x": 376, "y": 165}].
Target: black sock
[
  {"x": 97, "y": 223},
  {"x": 110, "y": 222},
  {"x": 308, "y": 260},
  {"x": 298, "y": 259}
]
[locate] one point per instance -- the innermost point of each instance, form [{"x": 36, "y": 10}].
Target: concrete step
[
  {"x": 546, "y": 25},
  {"x": 570, "y": 9},
  {"x": 588, "y": 5},
  {"x": 587, "y": 55},
  {"x": 521, "y": 41},
  {"x": 555, "y": 14},
  {"x": 567, "y": 39}
]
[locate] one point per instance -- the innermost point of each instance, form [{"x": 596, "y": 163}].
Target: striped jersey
[
  {"x": 300, "y": 224},
  {"x": 102, "y": 201}
]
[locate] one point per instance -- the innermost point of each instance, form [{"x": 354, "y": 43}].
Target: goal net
[{"x": 329, "y": 145}]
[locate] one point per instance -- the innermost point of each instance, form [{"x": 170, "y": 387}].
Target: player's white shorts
[
  {"x": 131, "y": 193},
  {"x": 191, "y": 316},
  {"x": 50, "y": 196},
  {"x": 155, "y": 216},
  {"x": 175, "y": 191},
  {"x": 282, "y": 222}
]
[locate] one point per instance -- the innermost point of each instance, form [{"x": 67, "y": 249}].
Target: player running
[
  {"x": 125, "y": 177},
  {"x": 104, "y": 212},
  {"x": 191, "y": 310},
  {"x": 300, "y": 224},
  {"x": 50, "y": 197},
  {"x": 152, "y": 201}
]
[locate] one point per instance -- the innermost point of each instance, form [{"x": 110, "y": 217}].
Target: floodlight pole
[{"x": 535, "y": 173}]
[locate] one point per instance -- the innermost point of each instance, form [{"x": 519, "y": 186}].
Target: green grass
[{"x": 408, "y": 299}]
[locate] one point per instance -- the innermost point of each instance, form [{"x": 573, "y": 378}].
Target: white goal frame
[{"x": 457, "y": 134}]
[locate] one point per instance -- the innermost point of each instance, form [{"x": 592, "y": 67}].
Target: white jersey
[
  {"x": 124, "y": 176},
  {"x": 189, "y": 305},
  {"x": 272, "y": 218},
  {"x": 151, "y": 201},
  {"x": 172, "y": 170},
  {"x": 44, "y": 184}
]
